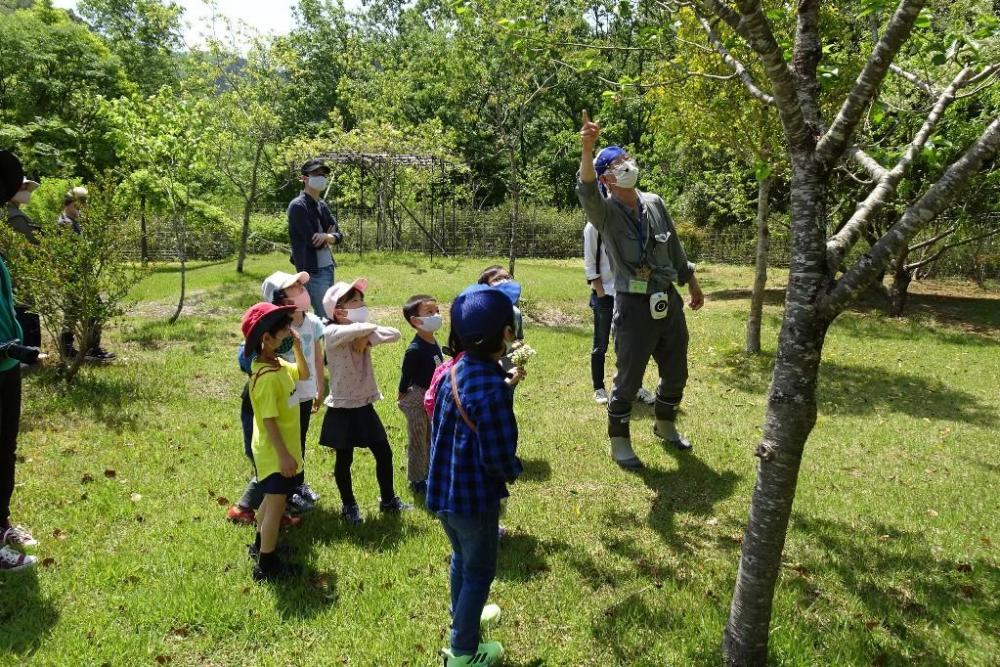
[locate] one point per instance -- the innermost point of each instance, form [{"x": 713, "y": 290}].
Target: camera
[
  {"x": 22, "y": 353},
  {"x": 659, "y": 305}
]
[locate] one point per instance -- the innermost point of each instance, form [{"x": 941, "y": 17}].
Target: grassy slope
[{"x": 891, "y": 556}]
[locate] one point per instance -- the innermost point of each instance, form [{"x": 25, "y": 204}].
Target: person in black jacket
[{"x": 312, "y": 231}]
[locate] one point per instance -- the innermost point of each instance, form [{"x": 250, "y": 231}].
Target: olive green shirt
[{"x": 647, "y": 239}]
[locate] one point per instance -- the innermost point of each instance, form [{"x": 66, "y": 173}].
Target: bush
[{"x": 75, "y": 282}]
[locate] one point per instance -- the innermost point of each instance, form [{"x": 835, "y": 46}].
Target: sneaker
[
  {"x": 394, "y": 505},
  {"x": 601, "y": 396},
  {"x": 289, "y": 520},
  {"x": 298, "y": 505},
  {"x": 12, "y": 561},
  {"x": 242, "y": 515},
  {"x": 306, "y": 492},
  {"x": 285, "y": 550},
  {"x": 280, "y": 570},
  {"x": 645, "y": 396},
  {"x": 501, "y": 532},
  {"x": 490, "y": 615},
  {"x": 487, "y": 654},
  {"x": 18, "y": 537},
  {"x": 99, "y": 354},
  {"x": 352, "y": 514}
]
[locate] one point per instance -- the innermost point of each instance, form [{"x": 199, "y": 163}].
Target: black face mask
[{"x": 286, "y": 345}]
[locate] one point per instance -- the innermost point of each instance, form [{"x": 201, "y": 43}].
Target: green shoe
[
  {"x": 487, "y": 654},
  {"x": 490, "y": 615}
]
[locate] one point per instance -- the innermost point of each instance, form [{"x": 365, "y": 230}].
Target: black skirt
[{"x": 346, "y": 428}]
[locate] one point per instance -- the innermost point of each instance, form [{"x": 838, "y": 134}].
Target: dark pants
[
  {"x": 639, "y": 337},
  {"x": 10, "y": 424},
  {"x": 473, "y": 567},
  {"x": 604, "y": 308},
  {"x": 383, "y": 473},
  {"x": 31, "y": 325}
]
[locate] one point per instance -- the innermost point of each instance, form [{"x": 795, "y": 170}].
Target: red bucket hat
[{"x": 258, "y": 319}]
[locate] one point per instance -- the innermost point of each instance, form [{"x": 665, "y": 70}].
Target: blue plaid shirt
[{"x": 469, "y": 470}]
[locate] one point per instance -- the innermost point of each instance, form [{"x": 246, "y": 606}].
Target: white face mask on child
[
  {"x": 430, "y": 324},
  {"x": 302, "y": 301},
  {"x": 358, "y": 315}
]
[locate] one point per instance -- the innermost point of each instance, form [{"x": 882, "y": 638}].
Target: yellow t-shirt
[{"x": 270, "y": 390}]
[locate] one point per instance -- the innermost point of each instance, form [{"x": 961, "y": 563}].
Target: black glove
[{"x": 22, "y": 353}]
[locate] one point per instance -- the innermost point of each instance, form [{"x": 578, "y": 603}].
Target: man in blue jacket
[{"x": 312, "y": 231}]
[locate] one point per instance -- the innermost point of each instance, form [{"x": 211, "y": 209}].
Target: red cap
[{"x": 259, "y": 319}]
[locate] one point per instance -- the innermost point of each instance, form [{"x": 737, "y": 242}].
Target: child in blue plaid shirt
[{"x": 473, "y": 458}]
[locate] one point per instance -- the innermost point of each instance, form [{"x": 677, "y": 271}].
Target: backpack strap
[
  {"x": 597, "y": 253},
  {"x": 256, "y": 376},
  {"x": 458, "y": 400}
]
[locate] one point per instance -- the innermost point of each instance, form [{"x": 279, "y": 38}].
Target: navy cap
[
  {"x": 312, "y": 165},
  {"x": 480, "y": 311}
]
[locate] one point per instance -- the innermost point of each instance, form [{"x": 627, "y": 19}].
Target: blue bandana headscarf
[{"x": 604, "y": 159}]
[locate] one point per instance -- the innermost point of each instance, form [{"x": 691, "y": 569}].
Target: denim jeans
[
  {"x": 320, "y": 280},
  {"x": 603, "y": 308},
  {"x": 473, "y": 567}
]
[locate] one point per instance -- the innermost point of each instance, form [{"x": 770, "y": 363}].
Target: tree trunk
[
  {"x": 760, "y": 270},
  {"x": 181, "y": 253},
  {"x": 143, "y": 241},
  {"x": 901, "y": 278},
  {"x": 515, "y": 211},
  {"x": 791, "y": 414},
  {"x": 248, "y": 206}
]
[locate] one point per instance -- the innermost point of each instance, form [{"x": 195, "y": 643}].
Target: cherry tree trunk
[
  {"x": 760, "y": 268},
  {"x": 901, "y": 278},
  {"x": 790, "y": 416}
]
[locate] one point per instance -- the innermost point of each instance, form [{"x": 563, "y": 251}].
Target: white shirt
[
  {"x": 310, "y": 331},
  {"x": 597, "y": 265}
]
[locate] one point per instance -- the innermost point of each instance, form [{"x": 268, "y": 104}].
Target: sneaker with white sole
[
  {"x": 601, "y": 396},
  {"x": 18, "y": 537},
  {"x": 299, "y": 505},
  {"x": 488, "y": 653},
  {"x": 645, "y": 396},
  {"x": 12, "y": 561}
]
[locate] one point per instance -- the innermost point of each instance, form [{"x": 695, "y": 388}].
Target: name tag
[{"x": 637, "y": 286}]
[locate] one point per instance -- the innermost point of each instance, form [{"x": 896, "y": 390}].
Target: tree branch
[
  {"x": 738, "y": 68},
  {"x": 805, "y": 59},
  {"x": 913, "y": 78},
  {"x": 933, "y": 258},
  {"x": 931, "y": 241},
  {"x": 925, "y": 209},
  {"x": 839, "y": 245},
  {"x": 836, "y": 139},
  {"x": 783, "y": 89},
  {"x": 867, "y": 162},
  {"x": 726, "y": 13}
]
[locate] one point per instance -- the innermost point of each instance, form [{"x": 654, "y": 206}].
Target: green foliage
[{"x": 76, "y": 282}]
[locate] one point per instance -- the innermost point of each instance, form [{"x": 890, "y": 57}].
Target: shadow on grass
[
  {"x": 522, "y": 556},
  {"x": 113, "y": 400},
  {"x": 535, "y": 470},
  {"x": 25, "y": 618},
  {"x": 307, "y": 595},
  {"x": 915, "y": 606},
  {"x": 380, "y": 532},
  {"x": 848, "y": 389}
]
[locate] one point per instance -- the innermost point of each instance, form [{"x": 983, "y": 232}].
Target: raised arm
[{"x": 336, "y": 335}]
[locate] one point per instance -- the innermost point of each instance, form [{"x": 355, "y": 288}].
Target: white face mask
[
  {"x": 21, "y": 197},
  {"x": 431, "y": 323},
  {"x": 318, "y": 183},
  {"x": 358, "y": 315},
  {"x": 626, "y": 174}
]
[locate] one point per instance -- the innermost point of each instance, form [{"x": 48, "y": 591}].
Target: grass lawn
[{"x": 891, "y": 559}]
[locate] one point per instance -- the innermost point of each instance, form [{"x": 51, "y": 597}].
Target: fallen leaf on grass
[
  {"x": 884, "y": 538},
  {"x": 871, "y": 625},
  {"x": 163, "y": 659},
  {"x": 968, "y": 591},
  {"x": 136, "y": 497},
  {"x": 712, "y": 522},
  {"x": 964, "y": 567},
  {"x": 222, "y": 500},
  {"x": 932, "y": 512},
  {"x": 87, "y": 478},
  {"x": 110, "y": 473},
  {"x": 59, "y": 534},
  {"x": 48, "y": 562}
]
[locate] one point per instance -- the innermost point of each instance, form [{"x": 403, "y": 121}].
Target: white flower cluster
[{"x": 520, "y": 354}]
